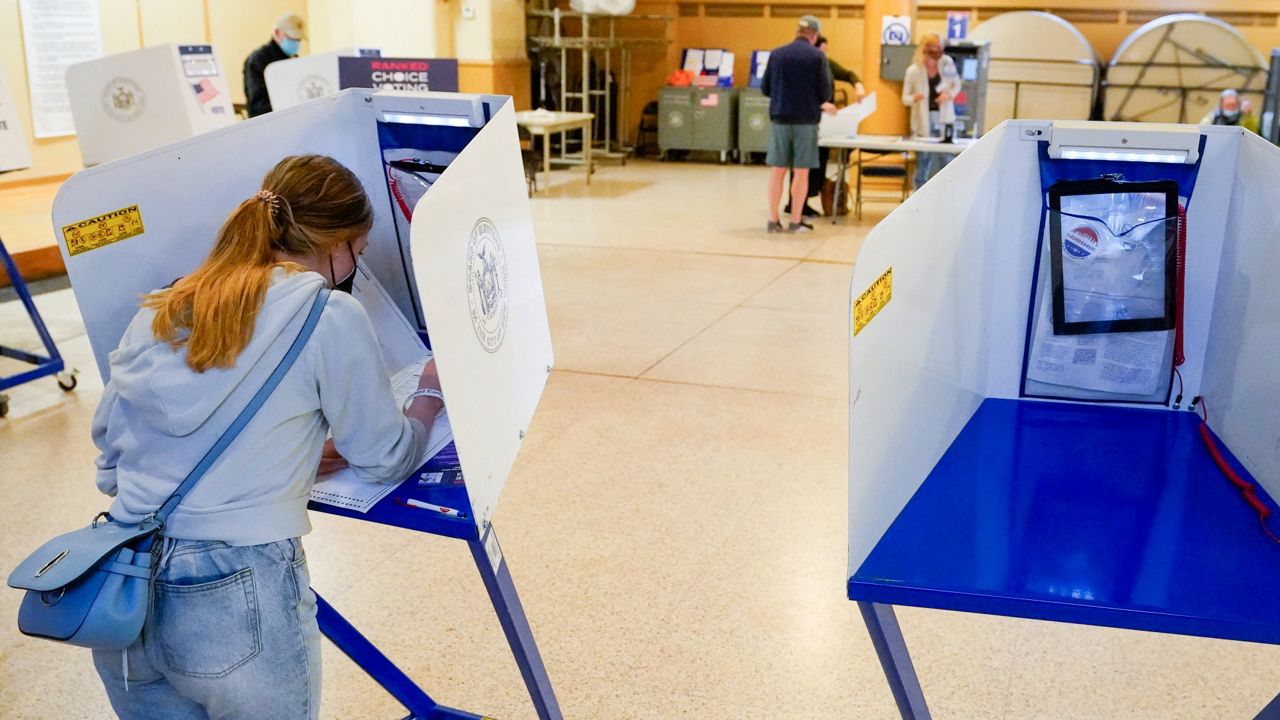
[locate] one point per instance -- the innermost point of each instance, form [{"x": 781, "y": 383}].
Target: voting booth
[
  {"x": 1037, "y": 338},
  {"x": 299, "y": 79},
  {"x": 134, "y": 101},
  {"x": 451, "y": 261}
]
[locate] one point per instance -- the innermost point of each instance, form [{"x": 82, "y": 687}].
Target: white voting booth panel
[
  {"x": 950, "y": 336},
  {"x": 491, "y": 340},
  {"x": 15, "y": 153},
  {"x": 1042, "y": 68},
  {"x": 300, "y": 79},
  {"x": 134, "y": 101}
]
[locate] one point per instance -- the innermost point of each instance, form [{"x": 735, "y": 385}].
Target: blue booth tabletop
[{"x": 1102, "y": 515}]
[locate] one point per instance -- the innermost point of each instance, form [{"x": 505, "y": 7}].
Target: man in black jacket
[
  {"x": 797, "y": 82},
  {"x": 284, "y": 44}
]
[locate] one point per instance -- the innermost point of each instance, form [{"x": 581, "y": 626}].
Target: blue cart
[{"x": 49, "y": 364}]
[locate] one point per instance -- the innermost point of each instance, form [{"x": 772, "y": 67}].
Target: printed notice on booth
[
  {"x": 872, "y": 301},
  {"x": 103, "y": 230}
]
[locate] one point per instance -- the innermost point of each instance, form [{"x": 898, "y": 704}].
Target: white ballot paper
[
  {"x": 846, "y": 121},
  {"x": 1122, "y": 363},
  {"x": 403, "y": 356}
]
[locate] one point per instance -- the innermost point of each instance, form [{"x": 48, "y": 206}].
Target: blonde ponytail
[{"x": 308, "y": 204}]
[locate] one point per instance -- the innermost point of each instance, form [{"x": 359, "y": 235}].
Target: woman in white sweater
[
  {"x": 232, "y": 632},
  {"x": 929, "y": 89}
]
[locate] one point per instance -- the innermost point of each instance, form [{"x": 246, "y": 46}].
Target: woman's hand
[
  {"x": 330, "y": 460},
  {"x": 944, "y": 97},
  {"x": 424, "y": 409},
  {"x": 917, "y": 97}
]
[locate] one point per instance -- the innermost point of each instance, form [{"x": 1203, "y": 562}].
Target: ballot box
[
  {"x": 133, "y": 101},
  {"x": 450, "y": 272},
  {"x": 1061, "y": 388}
]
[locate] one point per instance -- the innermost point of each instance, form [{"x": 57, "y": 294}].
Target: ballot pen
[{"x": 410, "y": 502}]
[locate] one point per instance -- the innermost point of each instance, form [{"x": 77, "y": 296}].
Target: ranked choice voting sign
[
  {"x": 15, "y": 154},
  {"x": 411, "y": 74}
]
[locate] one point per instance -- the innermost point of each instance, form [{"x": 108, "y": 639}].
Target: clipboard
[{"x": 1113, "y": 255}]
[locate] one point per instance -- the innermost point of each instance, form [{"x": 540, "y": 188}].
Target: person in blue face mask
[{"x": 286, "y": 40}]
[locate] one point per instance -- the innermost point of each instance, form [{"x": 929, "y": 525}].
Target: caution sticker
[
  {"x": 872, "y": 301},
  {"x": 96, "y": 232}
]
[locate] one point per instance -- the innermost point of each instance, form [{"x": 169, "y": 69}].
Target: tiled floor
[{"x": 675, "y": 522}]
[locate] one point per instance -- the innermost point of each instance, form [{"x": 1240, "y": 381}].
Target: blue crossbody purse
[{"x": 92, "y": 587}]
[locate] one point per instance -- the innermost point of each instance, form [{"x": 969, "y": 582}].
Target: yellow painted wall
[{"x": 401, "y": 28}]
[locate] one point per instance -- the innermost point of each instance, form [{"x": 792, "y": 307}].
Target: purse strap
[{"x": 313, "y": 318}]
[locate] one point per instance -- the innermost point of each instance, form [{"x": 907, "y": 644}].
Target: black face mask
[{"x": 344, "y": 285}]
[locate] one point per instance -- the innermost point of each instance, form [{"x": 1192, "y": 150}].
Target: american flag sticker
[{"x": 205, "y": 92}]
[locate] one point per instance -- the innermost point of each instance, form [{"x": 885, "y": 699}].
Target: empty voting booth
[
  {"x": 451, "y": 263},
  {"x": 130, "y": 102},
  {"x": 1037, "y": 338}
]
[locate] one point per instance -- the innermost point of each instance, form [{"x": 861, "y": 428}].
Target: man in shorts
[{"x": 797, "y": 81}]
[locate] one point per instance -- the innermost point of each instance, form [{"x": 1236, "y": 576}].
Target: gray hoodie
[{"x": 158, "y": 418}]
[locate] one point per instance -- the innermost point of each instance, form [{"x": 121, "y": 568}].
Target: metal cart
[{"x": 51, "y": 364}]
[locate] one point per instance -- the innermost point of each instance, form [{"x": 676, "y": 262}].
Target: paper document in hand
[
  {"x": 404, "y": 356},
  {"x": 845, "y": 122}
]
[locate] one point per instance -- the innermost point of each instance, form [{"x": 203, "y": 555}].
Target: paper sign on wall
[
  {"x": 14, "y": 152},
  {"x": 895, "y": 30},
  {"x": 56, "y": 34}
]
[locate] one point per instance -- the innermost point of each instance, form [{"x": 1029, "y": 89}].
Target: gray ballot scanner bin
[
  {"x": 702, "y": 119},
  {"x": 450, "y": 266},
  {"x": 465, "y": 274},
  {"x": 753, "y": 123}
]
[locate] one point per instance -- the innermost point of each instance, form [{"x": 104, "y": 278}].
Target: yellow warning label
[
  {"x": 872, "y": 300},
  {"x": 91, "y": 234}
]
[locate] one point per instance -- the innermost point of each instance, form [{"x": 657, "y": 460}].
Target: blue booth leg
[
  {"x": 886, "y": 636},
  {"x": 502, "y": 592},
  {"x": 1271, "y": 711},
  {"x": 381, "y": 669}
]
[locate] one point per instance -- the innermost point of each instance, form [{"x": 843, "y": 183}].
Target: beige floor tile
[
  {"x": 766, "y": 349},
  {"x": 813, "y": 287}
]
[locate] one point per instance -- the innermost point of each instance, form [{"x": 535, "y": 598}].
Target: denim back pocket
[{"x": 210, "y": 629}]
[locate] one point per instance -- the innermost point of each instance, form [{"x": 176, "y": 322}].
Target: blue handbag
[{"x": 92, "y": 587}]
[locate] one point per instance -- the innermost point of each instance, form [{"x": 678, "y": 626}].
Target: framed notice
[{"x": 56, "y": 34}]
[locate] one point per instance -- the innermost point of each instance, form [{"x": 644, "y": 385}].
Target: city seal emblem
[
  {"x": 488, "y": 298},
  {"x": 123, "y": 100}
]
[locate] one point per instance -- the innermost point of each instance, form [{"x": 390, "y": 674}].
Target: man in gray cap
[
  {"x": 797, "y": 81},
  {"x": 284, "y": 43}
]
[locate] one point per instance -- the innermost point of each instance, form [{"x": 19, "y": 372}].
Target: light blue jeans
[
  {"x": 929, "y": 164},
  {"x": 232, "y": 633}
]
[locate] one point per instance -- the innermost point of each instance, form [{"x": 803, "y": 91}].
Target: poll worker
[
  {"x": 797, "y": 82},
  {"x": 1232, "y": 110},
  {"x": 286, "y": 41},
  {"x": 232, "y": 629},
  {"x": 929, "y": 90},
  {"x": 839, "y": 73}
]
